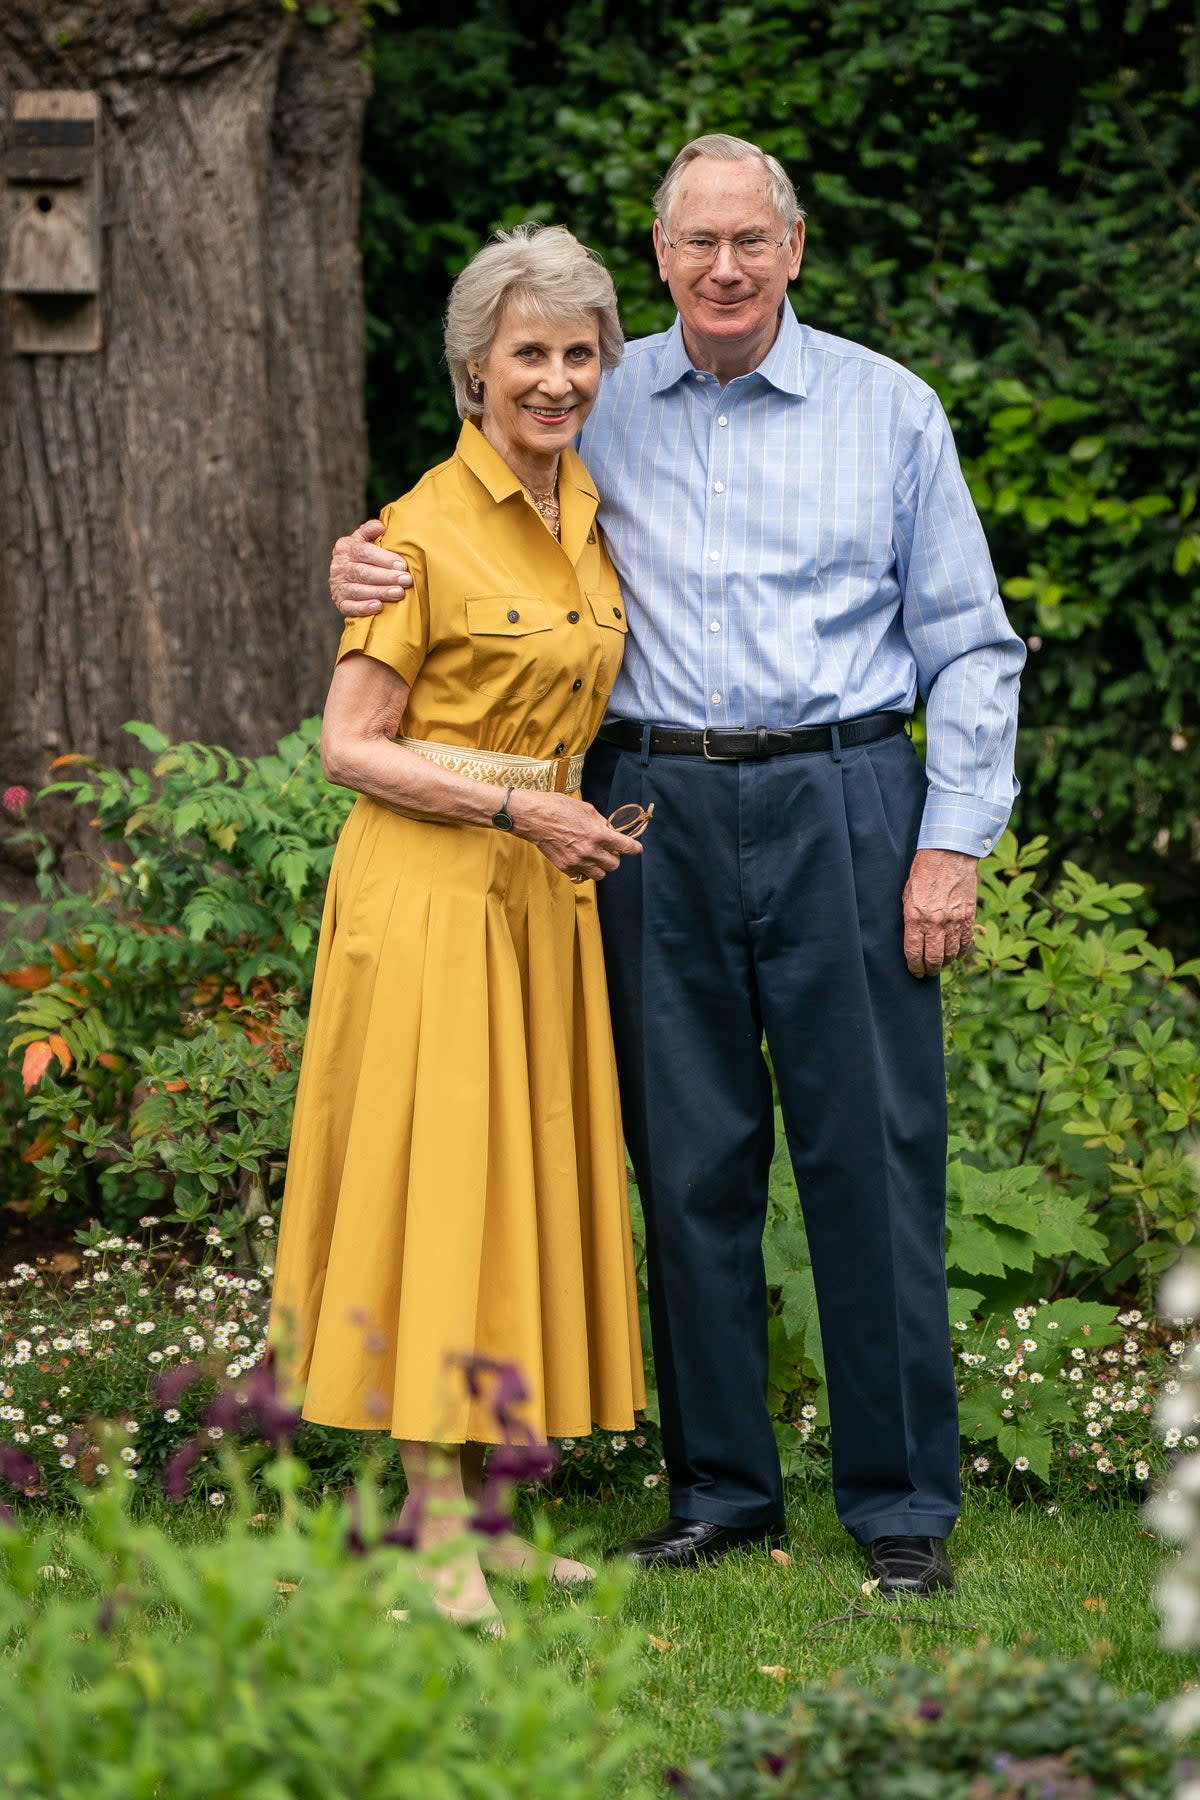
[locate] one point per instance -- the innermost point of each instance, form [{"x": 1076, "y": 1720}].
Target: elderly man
[{"x": 802, "y": 561}]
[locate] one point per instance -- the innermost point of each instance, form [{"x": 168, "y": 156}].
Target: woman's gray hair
[
  {"x": 543, "y": 270},
  {"x": 722, "y": 148}
]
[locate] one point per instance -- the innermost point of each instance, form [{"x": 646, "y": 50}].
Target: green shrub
[
  {"x": 264, "y": 1660},
  {"x": 156, "y": 1015},
  {"x": 1074, "y": 1049},
  {"x": 988, "y": 1725}
]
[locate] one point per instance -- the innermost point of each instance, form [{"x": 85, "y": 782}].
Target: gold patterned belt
[{"x": 543, "y": 775}]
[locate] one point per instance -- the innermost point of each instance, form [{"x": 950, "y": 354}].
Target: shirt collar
[{"x": 782, "y": 366}]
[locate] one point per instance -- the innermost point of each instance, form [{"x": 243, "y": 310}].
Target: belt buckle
[{"x": 708, "y": 756}]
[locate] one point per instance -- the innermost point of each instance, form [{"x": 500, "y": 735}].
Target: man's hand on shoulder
[
  {"x": 939, "y": 909},
  {"x": 362, "y": 576}
]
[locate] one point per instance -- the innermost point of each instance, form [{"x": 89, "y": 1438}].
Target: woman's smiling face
[{"x": 540, "y": 380}]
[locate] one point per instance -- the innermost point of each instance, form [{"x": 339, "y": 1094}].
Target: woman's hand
[{"x": 570, "y": 834}]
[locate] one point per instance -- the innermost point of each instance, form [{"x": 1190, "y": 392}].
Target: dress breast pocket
[
  {"x": 608, "y": 610},
  {"x": 511, "y": 645}
]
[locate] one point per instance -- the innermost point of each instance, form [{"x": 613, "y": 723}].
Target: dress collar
[
  {"x": 500, "y": 481},
  {"x": 577, "y": 496}
]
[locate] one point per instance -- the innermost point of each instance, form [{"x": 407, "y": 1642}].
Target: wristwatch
[{"x": 503, "y": 820}]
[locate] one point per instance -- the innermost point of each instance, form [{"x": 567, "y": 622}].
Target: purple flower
[
  {"x": 402, "y": 1533},
  {"x": 677, "y": 1781},
  {"x": 273, "y": 1420},
  {"x": 178, "y": 1467},
  {"x": 492, "y": 1517},
  {"x": 400, "y": 1537},
  {"x": 227, "y": 1411},
  {"x": 14, "y": 800},
  {"x": 930, "y": 1709},
  {"x": 519, "y": 1463},
  {"x": 354, "y": 1541},
  {"x": 16, "y": 1467},
  {"x": 508, "y": 1466},
  {"x": 509, "y": 1388},
  {"x": 170, "y": 1386},
  {"x": 106, "y": 1618}
]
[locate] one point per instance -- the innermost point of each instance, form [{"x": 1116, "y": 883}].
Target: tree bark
[{"x": 167, "y": 504}]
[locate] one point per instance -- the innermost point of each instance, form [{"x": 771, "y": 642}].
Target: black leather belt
[{"x": 716, "y": 744}]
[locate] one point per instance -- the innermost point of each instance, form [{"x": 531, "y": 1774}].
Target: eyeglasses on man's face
[{"x": 700, "y": 249}]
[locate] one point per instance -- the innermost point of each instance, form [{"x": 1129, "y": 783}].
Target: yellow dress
[{"x": 456, "y": 1179}]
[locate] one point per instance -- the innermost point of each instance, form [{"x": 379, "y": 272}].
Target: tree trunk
[{"x": 167, "y": 503}]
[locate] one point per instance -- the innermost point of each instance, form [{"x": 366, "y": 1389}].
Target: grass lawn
[
  {"x": 748, "y": 1631},
  {"x": 1069, "y": 1584}
]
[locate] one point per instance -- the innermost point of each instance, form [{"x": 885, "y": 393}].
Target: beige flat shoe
[
  {"x": 486, "y": 1620},
  {"x": 512, "y": 1555},
  {"x": 460, "y": 1593}
]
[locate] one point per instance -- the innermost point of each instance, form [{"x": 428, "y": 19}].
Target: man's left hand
[{"x": 939, "y": 910}]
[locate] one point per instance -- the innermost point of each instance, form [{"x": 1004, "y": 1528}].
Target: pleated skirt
[{"x": 456, "y": 1180}]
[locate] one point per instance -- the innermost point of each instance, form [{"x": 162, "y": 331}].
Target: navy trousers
[{"x": 768, "y": 903}]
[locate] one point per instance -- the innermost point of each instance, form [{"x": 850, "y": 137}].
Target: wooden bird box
[{"x": 51, "y": 264}]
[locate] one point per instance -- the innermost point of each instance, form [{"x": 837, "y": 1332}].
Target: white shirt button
[
  {"x": 718, "y": 487},
  {"x": 715, "y": 698},
  {"x": 715, "y": 626},
  {"x": 714, "y": 556},
  {"x": 722, "y": 420},
  {"x": 987, "y": 843}
]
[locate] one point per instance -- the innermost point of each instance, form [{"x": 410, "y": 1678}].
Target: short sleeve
[{"x": 399, "y": 635}]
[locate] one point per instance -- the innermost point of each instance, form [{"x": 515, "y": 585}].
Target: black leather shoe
[
  {"x": 682, "y": 1543},
  {"x": 909, "y": 1565}
]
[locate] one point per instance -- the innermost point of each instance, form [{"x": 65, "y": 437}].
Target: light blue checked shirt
[{"x": 800, "y": 547}]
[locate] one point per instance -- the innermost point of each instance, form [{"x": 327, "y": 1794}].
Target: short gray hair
[
  {"x": 543, "y": 269},
  {"x": 722, "y": 148}
]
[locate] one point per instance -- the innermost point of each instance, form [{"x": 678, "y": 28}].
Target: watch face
[{"x": 502, "y": 820}]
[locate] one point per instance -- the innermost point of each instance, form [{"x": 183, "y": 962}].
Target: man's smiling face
[{"x": 727, "y": 305}]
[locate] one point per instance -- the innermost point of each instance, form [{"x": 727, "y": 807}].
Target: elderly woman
[{"x": 456, "y": 1182}]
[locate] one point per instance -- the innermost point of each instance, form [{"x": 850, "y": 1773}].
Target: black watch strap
[{"x": 503, "y": 820}]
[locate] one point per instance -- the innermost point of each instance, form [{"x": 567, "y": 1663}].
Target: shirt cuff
[{"x": 961, "y": 822}]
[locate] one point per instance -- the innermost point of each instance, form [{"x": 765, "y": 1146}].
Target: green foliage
[
  {"x": 1075, "y": 1094},
  {"x": 1041, "y": 274},
  {"x": 989, "y": 1724},
  {"x": 1074, "y": 1053},
  {"x": 156, "y": 1013},
  {"x": 269, "y": 1662}
]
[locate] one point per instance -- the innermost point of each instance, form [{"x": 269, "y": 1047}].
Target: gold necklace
[{"x": 547, "y": 506}]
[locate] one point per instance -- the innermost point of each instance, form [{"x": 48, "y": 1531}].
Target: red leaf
[
  {"x": 36, "y": 1061},
  {"x": 39, "y": 1147},
  {"x": 61, "y": 1049},
  {"x": 37, "y": 975}
]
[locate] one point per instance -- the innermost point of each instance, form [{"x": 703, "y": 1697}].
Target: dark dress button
[
  {"x": 572, "y": 618},
  {"x": 616, "y": 612},
  {"x": 575, "y": 686},
  {"x": 513, "y": 616},
  {"x": 559, "y": 748}
]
